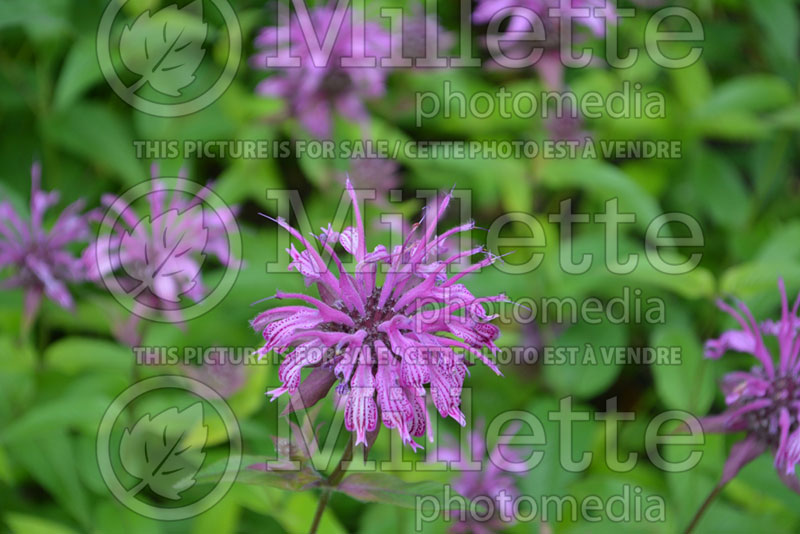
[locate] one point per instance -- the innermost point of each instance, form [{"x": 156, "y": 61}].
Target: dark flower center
[
  {"x": 369, "y": 321},
  {"x": 336, "y": 82},
  {"x": 784, "y": 393}
]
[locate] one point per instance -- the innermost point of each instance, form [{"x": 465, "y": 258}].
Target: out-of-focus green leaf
[
  {"x": 74, "y": 355},
  {"x": 780, "y": 24},
  {"x": 390, "y": 519},
  {"x": 781, "y": 246},
  {"x": 584, "y": 359},
  {"x": 222, "y": 518},
  {"x": 50, "y": 462},
  {"x": 692, "y": 84},
  {"x": 112, "y": 517},
  {"x": 79, "y": 73},
  {"x": 29, "y": 524},
  {"x": 752, "y": 278},
  {"x": 732, "y": 111},
  {"x": 720, "y": 186},
  {"x": 80, "y": 411},
  {"x": 733, "y": 126},
  {"x": 17, "y": 365},
  {"x": 752, "y": 93},
  {"x": 549, "y": 477},
  {"x": 97, "y": 134},
  {"x": 243, "y": 402},
  {"x": 42, "y": 20},
  {"x": 605, "y": 182},
  {"x": 688, "y": 385}
]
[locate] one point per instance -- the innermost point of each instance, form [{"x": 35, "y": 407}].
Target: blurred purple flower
[
  {"x": 219, "y": 373},
  {"x": 416, "y": 31},
  {"x": 566, "y": 124},
  {"x": 321, "y": 86},
  {"x": 519, "y": 21},
  {"x": 496, "y": 480},
  {"x": 381, "y": 343},
  {"x": 156, "y": 257},
  {"x": 376, "y": 174},
  {"x": 764, "y": 402},
  {"x": 549, "y": 66},
  {"x": 39, "y": 259}
]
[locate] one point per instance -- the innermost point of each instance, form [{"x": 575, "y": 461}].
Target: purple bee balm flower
[
  {"x": 224, "y": 376},
  {"x": 566, "y": 124},
  {"x": 765, "y": 401},
  {"x": 378, "y": 174},
  {"x": 40, "y": 262},
  {"x": 495, "y": 480},
  {"x": 549, "y": 66},
  {"x": 419, "y": 32},
  {"x": 321, "y": 85},
  {"x": 519, "y": 20},
  {"x": 156, "y": 258},
  {"x": 381, "y": 343}
]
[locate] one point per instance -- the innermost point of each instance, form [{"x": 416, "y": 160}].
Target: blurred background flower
[
  {"x": 495, "y": 480},
  {"x": 40, "y": 258},
  {"x": 321, "y": 85}
]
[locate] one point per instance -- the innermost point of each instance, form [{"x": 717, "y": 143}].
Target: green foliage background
[{"x": 736, "y": 113}]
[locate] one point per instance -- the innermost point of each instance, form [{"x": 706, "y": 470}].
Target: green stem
[
  {"x": 339, "y": 471},
  {"x": 697, "y": 516},
  {"x": 323, "y": 501},
  {"x": 332, "y": 481}
]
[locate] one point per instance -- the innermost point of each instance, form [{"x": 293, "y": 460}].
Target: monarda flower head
[
  {"x": 548, "y": 10},
  {"x": 519, "y": 17},
  {"x": 156, "y": 257},
  {"x": 381, "y": 175},
  {"x": 38, "y": 258},
  {"x": 765, "y": 401},
  {"x": 321, "y": 85},
  {"x": 383, "y": 344},
  {"x": 420, "y": 33}
]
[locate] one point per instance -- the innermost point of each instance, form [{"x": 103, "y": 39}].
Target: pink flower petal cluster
[
  {"x": 764, "y": 402},
  {"x": 39, "y": 258},
  {"x": 392, "y": 347},
  {"x": 156, "y": 257},
  {"x": 322, "y": 85}
]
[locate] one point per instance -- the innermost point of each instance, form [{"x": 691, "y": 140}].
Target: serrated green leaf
[{"x": 94, "y": 132}]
